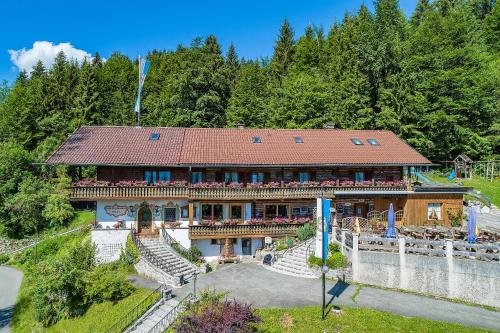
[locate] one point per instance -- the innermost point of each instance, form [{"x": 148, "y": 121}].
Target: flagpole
[{"x": 139, "y": 96}]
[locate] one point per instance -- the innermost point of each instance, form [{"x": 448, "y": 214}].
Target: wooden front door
[{"x": 145, "y": 220}]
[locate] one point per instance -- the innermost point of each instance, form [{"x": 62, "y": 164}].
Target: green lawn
[
  {"x": 97, "y": 318},
  {"x": 490, "y": 189},
  {"x": 308, "y": 320}
]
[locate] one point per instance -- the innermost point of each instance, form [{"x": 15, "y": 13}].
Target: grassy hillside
[
  {"x": 490, "y": 189},
  {"x": 97, "y": 318}
]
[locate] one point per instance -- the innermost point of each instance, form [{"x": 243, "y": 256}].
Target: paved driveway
[
  {"x": 251, "y": 283},
  {"x": 10, "y": 281}
]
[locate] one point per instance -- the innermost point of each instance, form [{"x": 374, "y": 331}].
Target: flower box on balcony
[
  {"x": 235, "y": 185},
  {"x": 255, "y": 221},
  {"x": 272, "y": 185},
  {"x": 231, "y": 222},
  {"x": 208, "y": 185},
  {"x": 346, "y": 183}
]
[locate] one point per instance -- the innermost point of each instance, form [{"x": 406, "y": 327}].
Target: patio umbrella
[
  {"x": 391, "y": 231},
  {"x": 471, "y": 224}
]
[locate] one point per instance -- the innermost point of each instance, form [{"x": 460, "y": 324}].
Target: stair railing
[
  {"x": 170, "y": 241},
  {"x": 136, "y": 312},
  {"x": 279, "y": 255},
  {"x": 150, "y": 256},
  {"x": 169, "y": 318},
  {"x": 308, "y": 251}
]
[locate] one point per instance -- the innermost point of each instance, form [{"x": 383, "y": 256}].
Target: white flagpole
[{"x": 139, "y": 96}]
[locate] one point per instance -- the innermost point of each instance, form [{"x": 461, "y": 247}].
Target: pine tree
[
  {"x": 283, "y": 52},
  {"x": 418, "y": 14},
  {"x": 85, "y": 104},
  {"x": 307, "y": 52},
  {"x": 248, "y": 102},
  {"x": 232, "y": 65}
]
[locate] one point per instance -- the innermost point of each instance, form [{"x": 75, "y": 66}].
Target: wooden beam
[{"x": 191, "y": 213}]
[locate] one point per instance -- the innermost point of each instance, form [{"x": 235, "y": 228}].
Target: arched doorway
[{"x": 145, "y": 220}]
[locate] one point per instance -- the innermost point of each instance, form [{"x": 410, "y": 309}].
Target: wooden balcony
[
  {"x": 92, "y": 193},
  {"x": 243, "y": 230}
]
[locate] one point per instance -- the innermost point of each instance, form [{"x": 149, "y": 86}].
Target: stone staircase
[
  {"x": 182, "y": 266},
  {"x": 294, "y": 261},
  {"x": 152, "y": 318}
]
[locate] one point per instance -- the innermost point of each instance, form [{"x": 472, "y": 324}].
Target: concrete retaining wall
[
  {"x": 109, "y": 243},
  {"x": 469, "y": 280}
]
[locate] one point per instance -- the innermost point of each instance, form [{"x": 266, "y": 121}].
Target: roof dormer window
[
  {"x": 256, "y": 139},
  {"x": 298, "y": 139},
  {"x": 373, "y": 142},
  {"x": 357, "y": 142},
  {"x": 154, "y": 136}
]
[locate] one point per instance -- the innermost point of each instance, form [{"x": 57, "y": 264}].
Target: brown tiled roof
[
  {"x": 232, "y": 146},
  {"x": 120, "y": 145}
]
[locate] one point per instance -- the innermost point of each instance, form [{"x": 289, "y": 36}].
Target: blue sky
[{"x": 135, "y": 27}]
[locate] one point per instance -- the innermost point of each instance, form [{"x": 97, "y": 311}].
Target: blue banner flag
[
  {"x": 325, "y": 212},
  {"x": 143, "y": 71}
]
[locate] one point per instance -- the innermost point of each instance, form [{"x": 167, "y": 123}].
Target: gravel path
[{"x": 10, "y": 282}]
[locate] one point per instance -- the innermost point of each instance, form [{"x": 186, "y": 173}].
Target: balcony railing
[
  {"x": 243, "y": 230},
  {"x": 90, "y": 193}
]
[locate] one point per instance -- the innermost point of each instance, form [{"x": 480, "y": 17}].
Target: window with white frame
[{"x": 434, "y": 211}]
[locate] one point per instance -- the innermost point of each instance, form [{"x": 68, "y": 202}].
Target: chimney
[{"x": 241, "y": 126}]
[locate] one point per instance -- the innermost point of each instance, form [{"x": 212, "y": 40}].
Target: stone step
[{"x": 292, "y": 273}]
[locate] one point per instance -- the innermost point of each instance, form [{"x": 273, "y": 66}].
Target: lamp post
[{"x": 194, "y": 284}]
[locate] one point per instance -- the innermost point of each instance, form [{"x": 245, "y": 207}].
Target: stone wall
[
  {"x": 146, "y": 269},
  {"x": 471, "y": 280}
]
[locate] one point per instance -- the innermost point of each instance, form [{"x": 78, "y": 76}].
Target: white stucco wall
[
  {"x": 107, "y": 221},
  {"x": 181, "y": 235},
  {"x": 211, "y": 252}
]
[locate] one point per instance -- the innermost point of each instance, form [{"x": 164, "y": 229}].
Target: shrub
[
  {"x": 60, "y": 284},
  {"x": 3, "y": 258},
  {"x": 107, "y": 282},
  {"x": 130, "y": 255},
  {"x": 314, "y": 261},
  {"x": 336, "y": 261},
  {"x": 306, "y": 231},
  {"x": 281, "y": 247},
  {"x": 212, "y": 314},
  {"x": 194, "y": 253},
  {"x": 333, "y": 247}
]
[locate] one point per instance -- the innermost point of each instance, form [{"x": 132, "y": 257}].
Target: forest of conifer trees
[{"x": 432, "y": 78}]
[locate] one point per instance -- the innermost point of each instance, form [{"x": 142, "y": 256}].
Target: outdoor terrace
[{"x": 90, "y": 191}]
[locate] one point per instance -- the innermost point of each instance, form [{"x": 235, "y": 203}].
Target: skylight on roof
[
  {"x": 154, "y": 136},
  {"x": 256, "y": 139},
  {"x": 357, "y": 142},
  {"x": 298, "y": 139},
  {"x": 373, "y": 142}
]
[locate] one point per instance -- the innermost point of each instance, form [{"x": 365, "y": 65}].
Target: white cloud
[{"x": 46, "y": 52}]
